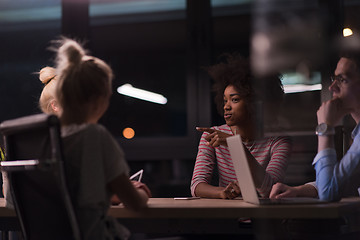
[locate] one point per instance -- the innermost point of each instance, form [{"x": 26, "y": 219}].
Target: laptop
[{"x": 246, "y": 182}]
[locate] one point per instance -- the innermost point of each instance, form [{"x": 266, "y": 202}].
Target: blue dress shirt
[{"x": 335, "y": 179}]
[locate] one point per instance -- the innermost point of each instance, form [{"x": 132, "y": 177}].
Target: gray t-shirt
[{"x": 93, "y": 158}]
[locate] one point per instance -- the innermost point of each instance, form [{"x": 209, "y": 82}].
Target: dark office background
[{"x": 160, "y": 46}]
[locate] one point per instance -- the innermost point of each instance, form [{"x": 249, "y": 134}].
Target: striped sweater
[{"x": 272, "y": 153}]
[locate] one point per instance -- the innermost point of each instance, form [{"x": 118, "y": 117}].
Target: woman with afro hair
[{"x": 236, "y": 98}]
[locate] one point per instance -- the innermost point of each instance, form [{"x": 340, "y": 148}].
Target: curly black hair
[{"x": 236, "y": 71}]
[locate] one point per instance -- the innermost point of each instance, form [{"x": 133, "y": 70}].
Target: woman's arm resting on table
[
  {"x": 205, "y": 190},
  {"x": 132, "y": 197}
]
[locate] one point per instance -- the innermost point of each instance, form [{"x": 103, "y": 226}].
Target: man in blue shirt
[{"x": 334, "y": 179}]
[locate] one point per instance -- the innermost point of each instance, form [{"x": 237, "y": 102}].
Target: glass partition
[{"x": 26, "y": 29}]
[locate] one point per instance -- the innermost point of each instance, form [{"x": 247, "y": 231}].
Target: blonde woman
[{"x": 94, "y": 161}]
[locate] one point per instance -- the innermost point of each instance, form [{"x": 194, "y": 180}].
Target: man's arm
[{"x": 280, "y": 190}]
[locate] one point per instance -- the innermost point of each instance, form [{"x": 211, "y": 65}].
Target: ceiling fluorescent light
[
  {"x": 129, "y": 90},
  {"x": 301, "y": 88}
]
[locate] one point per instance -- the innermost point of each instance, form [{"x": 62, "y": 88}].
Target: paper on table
[{"x": 186, "y": 198}]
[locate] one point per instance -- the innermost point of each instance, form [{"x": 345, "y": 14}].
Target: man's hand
[
  {"x": 280, "y": 190},
  {"x": 331, "y": 112}
]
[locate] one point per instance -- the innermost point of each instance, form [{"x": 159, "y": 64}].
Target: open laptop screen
[{"x": 245, "y": 179}]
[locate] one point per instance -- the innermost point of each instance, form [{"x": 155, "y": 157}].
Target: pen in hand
[
  {"x": 138, "y": 174},
  {"x": 137, "y": 178},
  {"x": 138, "y": 184}
]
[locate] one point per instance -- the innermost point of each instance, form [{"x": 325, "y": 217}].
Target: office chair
[{"x": 35, "y": 168}]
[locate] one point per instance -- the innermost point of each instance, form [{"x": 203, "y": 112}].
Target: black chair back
[{"x": 35, "y": 168}]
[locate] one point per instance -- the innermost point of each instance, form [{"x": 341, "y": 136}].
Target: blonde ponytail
[{"x": 82, "y": 80}]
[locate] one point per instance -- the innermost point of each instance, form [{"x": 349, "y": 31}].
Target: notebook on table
[{"x": 246, "y": 182}]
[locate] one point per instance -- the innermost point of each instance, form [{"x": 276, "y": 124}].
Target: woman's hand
[
  {"x": 115, "y": 200},
  {"x": 215, "y": 137},
  {"x": 140, "y": 185},
  {"x": 231, "y": 191}
]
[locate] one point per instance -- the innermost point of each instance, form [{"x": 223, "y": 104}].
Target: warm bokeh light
[
  {"x": 128, "y": 133},
  {"x": 347, "y": 32}
]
